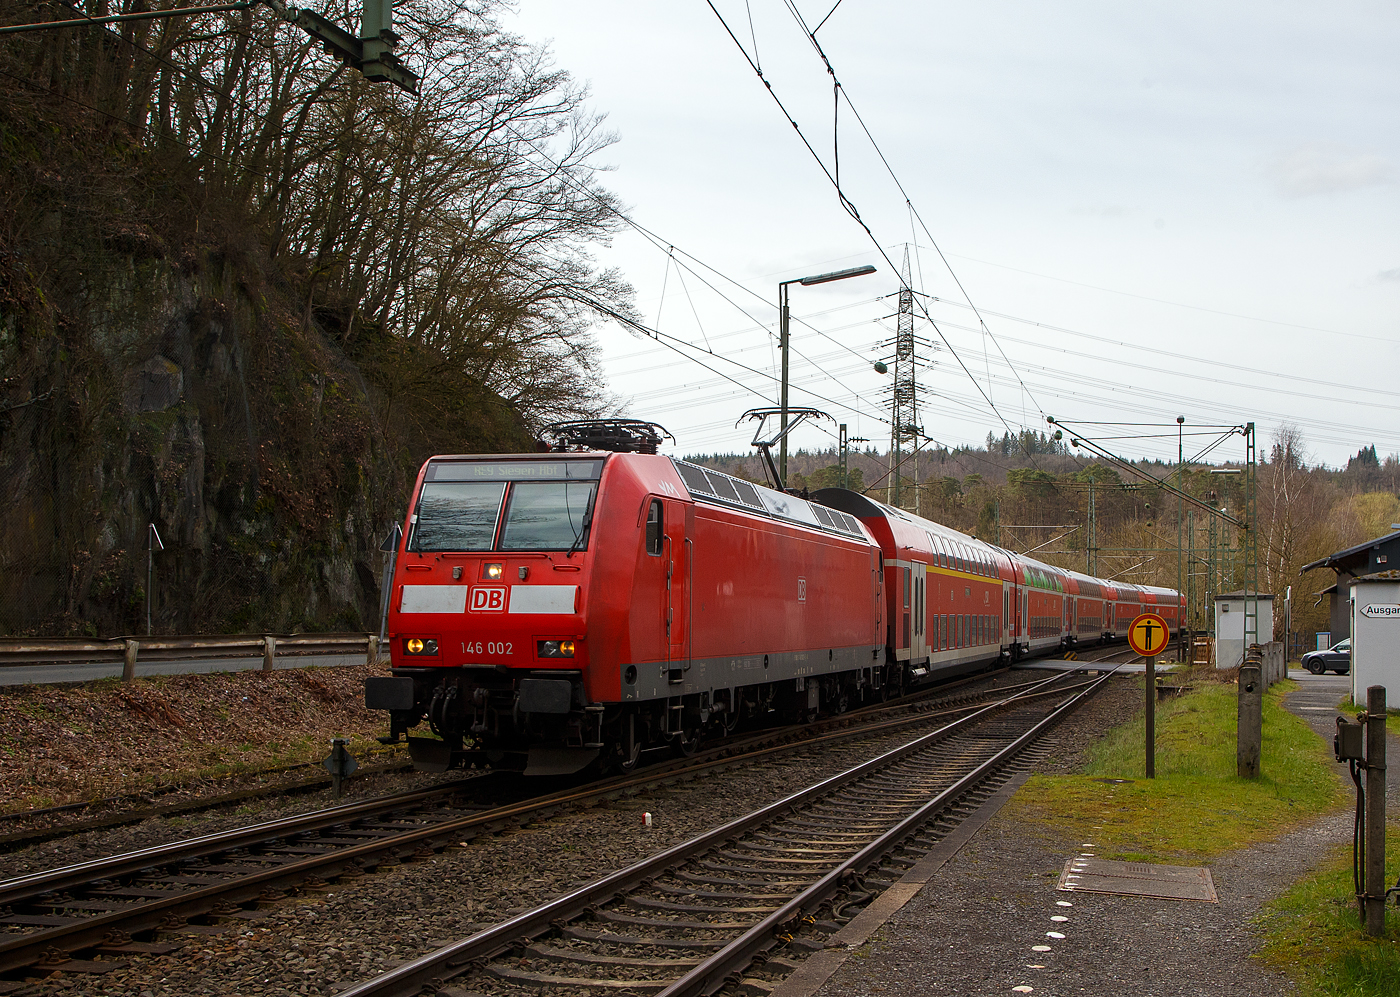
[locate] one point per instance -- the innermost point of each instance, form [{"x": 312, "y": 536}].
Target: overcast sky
[{"x": 1182, "y": 210}]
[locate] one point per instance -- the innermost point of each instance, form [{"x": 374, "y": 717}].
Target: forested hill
[
  {"x": 1033, "y": 495},
  {"x": 243, "y": 293}
]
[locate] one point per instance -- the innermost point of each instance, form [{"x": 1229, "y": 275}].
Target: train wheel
[{"x": 685, "y": 743}]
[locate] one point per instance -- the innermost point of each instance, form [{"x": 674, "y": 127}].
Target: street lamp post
[
  {"x": 1181, "y": 484},
  {"x": 822, "y": 278}
]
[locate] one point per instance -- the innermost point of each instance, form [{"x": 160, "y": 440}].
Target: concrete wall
[{"x": 1273, "y": 663}]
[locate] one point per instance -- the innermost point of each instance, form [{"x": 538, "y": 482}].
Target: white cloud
[
  {"x": 1100, "y": 211},
  {"x": 1388, "y": 276},
  {"x": 1326, "y": 168}
]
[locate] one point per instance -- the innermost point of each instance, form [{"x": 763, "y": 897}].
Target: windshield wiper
[{"x": 583, "y": 532}]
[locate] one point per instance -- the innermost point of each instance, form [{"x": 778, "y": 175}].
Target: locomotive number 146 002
[{"x": 488, "y": 647}]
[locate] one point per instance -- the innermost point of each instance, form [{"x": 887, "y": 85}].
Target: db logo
[
  {"x": 489, "y": 599},
  {"x": 801, "y": 590}
]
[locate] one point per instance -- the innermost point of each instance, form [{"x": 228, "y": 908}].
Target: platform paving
[{"x": 990, "y": 921}]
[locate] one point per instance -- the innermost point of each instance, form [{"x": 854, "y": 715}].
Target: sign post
[{"x": 1148, "y": 635}]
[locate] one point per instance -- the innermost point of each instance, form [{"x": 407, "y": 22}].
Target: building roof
[
  {"x": 1351, "y": 553},
  {"x": 1380, "y": 576},
  {"x": 1261, "y": 596}
]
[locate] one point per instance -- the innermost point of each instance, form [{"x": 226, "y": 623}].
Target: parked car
[{"x": 1336, "y": 658}]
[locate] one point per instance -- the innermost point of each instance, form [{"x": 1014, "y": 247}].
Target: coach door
[
  {"x": 918, "y": 647},
  {"x": 679, "y": 558}
]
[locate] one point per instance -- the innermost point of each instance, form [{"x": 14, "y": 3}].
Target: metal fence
[{"x": 19, "y": 651}]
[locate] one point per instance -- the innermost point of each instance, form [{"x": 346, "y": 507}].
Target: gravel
[{"x": 321, "y": 942}]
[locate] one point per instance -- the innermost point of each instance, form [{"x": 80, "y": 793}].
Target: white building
[
  {"x": 1229, "y": 626},
  {"x": 1375, "y": 635}
]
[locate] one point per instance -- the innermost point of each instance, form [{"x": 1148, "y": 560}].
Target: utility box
[
  {"x": 1229, "y": 626},
  {"x": 1375, "y": 634}
]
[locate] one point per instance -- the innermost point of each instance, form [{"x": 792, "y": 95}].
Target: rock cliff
[{"x": 157, "y": 366}]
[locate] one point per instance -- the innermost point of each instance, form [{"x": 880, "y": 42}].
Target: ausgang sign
[{"x": 1382, "y": 611}]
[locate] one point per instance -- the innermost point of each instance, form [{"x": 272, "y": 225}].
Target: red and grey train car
[
  {"x": 954, "y": 602},
  {"x": 557, "y": 610}
]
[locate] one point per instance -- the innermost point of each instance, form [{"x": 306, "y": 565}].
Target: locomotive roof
[{"x": 711, "y": 486}]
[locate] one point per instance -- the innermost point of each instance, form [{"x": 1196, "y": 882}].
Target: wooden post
[
  {"x": 1375, "y": 810},
  {"x": 372, "y": 650},
  {"x": 269, "y": 652},
  {"x": 129, "y": 661},
  {"x": 1151, "y": 716},
  {"x": 1249, "y": 731}
]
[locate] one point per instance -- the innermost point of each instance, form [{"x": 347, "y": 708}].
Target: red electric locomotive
[
  {"x": 550, "y": 610},
  {"x": 557, "y": 610}
]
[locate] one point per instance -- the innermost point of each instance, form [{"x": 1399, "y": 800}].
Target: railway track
[
  {"x": 693, "y": 918},
  {"x": 191, "y": 887}
]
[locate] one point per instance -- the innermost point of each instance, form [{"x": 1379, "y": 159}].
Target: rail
[
  {"x": 30, "y": 652},
  {"x": 75, "y": 907},
  {"x": 520, "y": 931}
]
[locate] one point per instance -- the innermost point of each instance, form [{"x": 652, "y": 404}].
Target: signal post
[{"x": 1148, "y": 635}]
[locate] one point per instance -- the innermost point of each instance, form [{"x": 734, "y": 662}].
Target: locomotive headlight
[
  {"x": 555, "y": 648},
  {"x": 566, "y": 648},
  {"x": 415, "y": 646},
  {"x": 493, "y": 571}
]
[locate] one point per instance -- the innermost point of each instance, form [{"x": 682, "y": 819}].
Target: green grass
[
  {"x": 1349, "y": 709},
  {"x": 1196, "y": 807},
  {"x": 1313, "y": 933}
]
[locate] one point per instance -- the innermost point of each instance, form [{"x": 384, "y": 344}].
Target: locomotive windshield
[
  {"x": 457, "y": 515},
  {"x": 547, "y": 516},
  {"x": 459, "y": 508}
]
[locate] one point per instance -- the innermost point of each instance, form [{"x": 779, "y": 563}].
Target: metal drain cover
[{"x": 1138, "y": 879}]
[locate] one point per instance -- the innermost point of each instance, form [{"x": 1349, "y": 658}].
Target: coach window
[{"x": 654, "y": 528}]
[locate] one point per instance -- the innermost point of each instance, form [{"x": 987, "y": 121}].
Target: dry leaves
[{"x": 63, "y": 744}]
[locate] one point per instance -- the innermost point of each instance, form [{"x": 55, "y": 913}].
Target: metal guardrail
[{"x": 16, "y": 651}]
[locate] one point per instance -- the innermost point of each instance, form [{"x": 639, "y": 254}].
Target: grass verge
[
  {"x": 1313, "y": 933},
  {"x": 1196, "y": 807}
]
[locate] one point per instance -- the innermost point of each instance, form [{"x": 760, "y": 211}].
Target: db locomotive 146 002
[{"x": 553, "y": 611}]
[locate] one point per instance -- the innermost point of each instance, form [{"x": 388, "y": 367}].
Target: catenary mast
[{"x": 904, "y": 424}]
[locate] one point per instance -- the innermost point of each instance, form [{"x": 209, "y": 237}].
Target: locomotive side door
[
  {"x": 918, "y": 648},
  {"x": 679, "y": 561},
  {"x": 647, "y": 618}
]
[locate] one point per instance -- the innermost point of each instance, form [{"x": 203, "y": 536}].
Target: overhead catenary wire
[{"x": 845, "y": 202}]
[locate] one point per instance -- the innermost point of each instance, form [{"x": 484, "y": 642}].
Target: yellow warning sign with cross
[{"x": 1148, "y": 634}]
